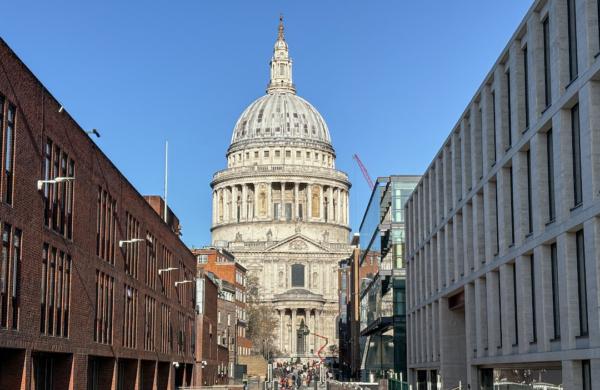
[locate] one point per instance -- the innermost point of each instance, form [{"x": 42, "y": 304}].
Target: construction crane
[{"x": 364, "y": 172}]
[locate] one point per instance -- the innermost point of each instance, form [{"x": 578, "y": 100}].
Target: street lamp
[
  {"x": 40, "y": 183},
  {"x": 160, "y": 271},
  {"x": 121, "y": 242}
]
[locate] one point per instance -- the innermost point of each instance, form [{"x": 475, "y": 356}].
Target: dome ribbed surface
[{"x": 280, "y": 116}]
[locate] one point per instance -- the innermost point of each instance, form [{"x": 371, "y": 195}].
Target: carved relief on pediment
[{"x": 298, "y": 245}]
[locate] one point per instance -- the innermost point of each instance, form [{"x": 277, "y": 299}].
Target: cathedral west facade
[{"x": 282, "y": 209}]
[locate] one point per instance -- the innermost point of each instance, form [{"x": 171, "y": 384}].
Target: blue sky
[{"x": 390, "y": 78}]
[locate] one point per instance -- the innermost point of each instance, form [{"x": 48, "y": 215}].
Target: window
[
  {"x": 297, "y": 275},
  {"x": 44, "y": 287},
  {"x": 499, "y": 307},
  {"x": 202, "y": 259},
  {"x": 494, "y": 126},
  {"x": 550, "y": 152},
  {"x": 132, "y": 249},
  {"x": 298, "y": 154},
  {"x": 533, "y": 312},
  {"x": 577, "y": 185},
  {"x": 512, "y": 207},
  {"x": 529, "y": 193},
  {"x": 276, "y": 210},
  {"x": 229, "y": 320},
  {"x": 581, "y": 284},
  {"x": 555, "y": 295},
  {"x": 497, "y": 226},
  {"x": 106, "y": 226},
  {"x": 508, "y": 107},
  {"x": 247, "y": 155},
  {"x": 42, "y": 372},
  {"x": 165, "y": 277},
  {"x": 16, "y": 268},
  {"x": 572, "y": 36},
  {"x": 288, "y": 211},
  {"x": 151, "y": 264},
  {"x": 219, "y": 317},
  {"x": 4, "y": 257},
  {"x": 130, "y": 317},
  {"x": 281, "y": 69},
  {"x": 266, "y": 153},
  {"x": 586, "y": 373},
  {"x": 526, "y": 86},
  {"x": 149, "y": 323},
  {"x": 515, "y": 312},
  {"x": 307, "y": 154},
  {"x": 103, "y": 321},
  {"x": 547, "y": 70},
  {"x": 255, "y": 154},
  {"x": 277, "y": 153},
  {"x": 165, "y": 328},
  {"x": 10, "y": 152},
  {"x": 316, "y": 156},
  {"x": 288, "y": 153}
]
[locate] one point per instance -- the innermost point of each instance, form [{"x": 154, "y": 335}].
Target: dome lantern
[{"x": 281, "y": 65}]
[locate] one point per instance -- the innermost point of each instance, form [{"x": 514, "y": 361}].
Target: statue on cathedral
[
  {"x": 326, "y": 236},
  {"x": 269, "y": 235},
  {"x": 298, "y": 225},
  {"x": 238, "y": 237}
]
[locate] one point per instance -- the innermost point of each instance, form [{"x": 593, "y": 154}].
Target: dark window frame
[
  {"x": 572, "y": 39},
  {"x": 581, "y": 284},
  {"x": 547, "y": 69},
  {"x": 576, "y": 154},
  {"x": 555, "y": 290}
]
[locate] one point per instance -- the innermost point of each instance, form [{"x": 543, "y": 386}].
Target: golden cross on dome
[{"x": 280, "y": 37}]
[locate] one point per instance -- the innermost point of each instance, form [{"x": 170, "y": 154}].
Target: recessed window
[
  {"x": 298, "y": 154},
  {"x": 247, "y": 154},
  {"x": 277, "y": 153},
  {"x": 255, "y": 154},
  {"x": 297, "y": 275},
  {"x": 240, "y": 157},
  {"x": 266, "y": 153},
  {"x": 307, "y": 154},
  {"x": 288, "y": 153},
  {"x": 316, "y": 156}
]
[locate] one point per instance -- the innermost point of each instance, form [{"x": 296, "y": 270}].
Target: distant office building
[
  {"x": 230, "y": 276},
  {"x": 96, "y": 289},
  {"x": 503, "y": 229},
  {"x": 380, "y": 284}
]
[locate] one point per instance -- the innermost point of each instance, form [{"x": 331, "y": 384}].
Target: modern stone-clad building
[
  {"x": 282, "y": 209},
  {"x": 503, "y": 231}
]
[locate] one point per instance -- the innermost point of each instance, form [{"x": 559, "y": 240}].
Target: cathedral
[{"x": 282, "y": 209}]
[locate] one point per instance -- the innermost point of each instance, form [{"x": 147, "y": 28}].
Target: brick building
[
  {"x": 223, "y": 265},
  {"x": 212, "y": 357},
  {"x": 82, "y": 302}
]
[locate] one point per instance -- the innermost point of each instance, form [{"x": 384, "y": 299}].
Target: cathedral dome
[{"x": 280, "y": 116}]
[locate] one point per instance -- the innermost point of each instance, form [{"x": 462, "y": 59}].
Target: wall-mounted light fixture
[
  {"x": 121, "y": 242},
  {"x": 160, "y": 271},
  {"x": 61, "y": 109},
  {"x": 40, "y": 183},
  {"x": 94, "y": 132},
  {"x": 185, "y": 281}
]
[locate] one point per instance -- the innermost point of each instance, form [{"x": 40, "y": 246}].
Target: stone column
[
  {"x": 347, "y": 201},
  {"x": 234, "y": 202},
  {"x": 281, "y": 329},
  {"x": 269, "y": 200},
  {"x": 244, "y": 202},
  {"x": 296, "y": 212},
  {"x": 317, "y": 328},
  {"x": 330, "y": 206},
  {"x": 255, "y": 205},
  {"x": 226, "y": 204},
  {"x": 309, "y": 202},
  {"x": 214, "y": 208},
  {"x": 282, "y": 202},
  {"x": 321, "y": 208},
  {"x": 293, "y": 338},
  {"x": 219, "y": 209},
  {"x": 312, "y": 329}
]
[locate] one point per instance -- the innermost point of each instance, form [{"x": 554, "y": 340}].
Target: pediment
[{"x": 298, "y": 243}]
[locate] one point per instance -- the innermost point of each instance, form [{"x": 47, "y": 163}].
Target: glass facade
[{"x": 383, "y": 296}]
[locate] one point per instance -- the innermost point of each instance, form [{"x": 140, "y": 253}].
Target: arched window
[{"x": 297, "y": 275}]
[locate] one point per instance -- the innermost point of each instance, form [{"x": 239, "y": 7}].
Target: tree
[
  {"x": 334, "y": 350},
  {"x": 262, "y": 322}
]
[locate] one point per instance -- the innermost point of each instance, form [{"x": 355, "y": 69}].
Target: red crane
[{"x": 364, "y": 172}]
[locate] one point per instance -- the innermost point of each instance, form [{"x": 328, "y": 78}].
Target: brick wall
[{"x": 38, "y": 120}]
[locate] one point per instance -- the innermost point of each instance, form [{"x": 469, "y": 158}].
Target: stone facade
[
  {"x": 502, "y": 231},
  {"x": 283, "y": 210}
]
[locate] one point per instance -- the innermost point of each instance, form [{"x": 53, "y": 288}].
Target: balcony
[{"x": 277, "y": 169}]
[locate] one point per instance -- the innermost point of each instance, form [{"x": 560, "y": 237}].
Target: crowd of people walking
[{"x": 294, "y": 376}]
